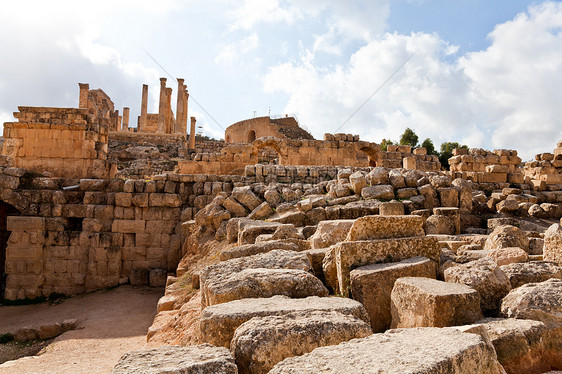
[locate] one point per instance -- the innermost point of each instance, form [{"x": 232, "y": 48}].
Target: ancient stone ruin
[{"x": 281, "y": 253}]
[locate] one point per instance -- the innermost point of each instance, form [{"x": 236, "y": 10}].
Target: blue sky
[{"x": 484, "y": 73}]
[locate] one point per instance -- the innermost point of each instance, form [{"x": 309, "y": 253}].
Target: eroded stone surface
[
  {"x": 371, "y": 285},
  {"x": 198, "y": 359},
  {"x": 486, "y": 277},
  {"x": 531, "y": 272},
  {"x": 416, "y": 350},
  {"x": 507, "y": 236},
  {"x": 330, "y": 232},
  {"x": 257, "y": 248},
  {"x": 552, "y": 250},
  {"x": 261, "y": 342},
  {"x": 510, "y": 255},
  {"x": 379, "y": 227},
  {"x": 218, "y": 322},
  {"x": 425, "y": 302}
]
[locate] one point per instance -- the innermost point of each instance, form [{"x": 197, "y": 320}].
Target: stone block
[
  {"x": 201, "y": 359},
  {"x": 382, "y": 192},
  {"x": 157, "y": 277},
  {"x": 449, "y": 197},
  {"x": 164, "y": 200},
  {"x": 21, "y": 223},
  {"x": 219, "y": 322},
  {"x": 371, "y": 285},
  {"x": 531, "y": 272},
  {"x": 346, "y": 255},
  {"x": 417, "y": 350},
  {"x": 391, "y": 208},
  {"x": 123, "y": 199},
  {"x": 257, "y": 248},
  {"x": 425, "y": 302},
  {"x": 128, "y": 226},
  {"x": 261, "y": 342},
  {"x": 330, "y": 232},
  {"x": 246, "y": 197},
  {"x": 552, "y": 250},
  {"x": 377, "y": 227}
]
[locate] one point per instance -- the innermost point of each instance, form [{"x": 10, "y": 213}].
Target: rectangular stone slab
[
  {"x": 218, "y": 322},
  {"x": 385, "y": 227},
  {"x": 348, "y": 255}
]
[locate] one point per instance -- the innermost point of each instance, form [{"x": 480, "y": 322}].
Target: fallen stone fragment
[
  {"x": 552, "y": 250},
  {"x": 219, "y": 278},
  {"x": 218, "y": 322},
  {"x": 198, "y": 359},
  {"x": 425, "y": 302},
  {"x": 505, "y": 256},
  {"x": 330, "y": 232},
  {"x": 507, "y": 236},
  {"x": 261, "y": 342},
  {"x": 257, "y": 248},
  {"x": 377, "y": 227},
  {"x": 427, "y": 350},
  {"x": 371, "y": 285},
  {"x": 531, "y": 272},
  {"x": 486, "y": 277}
]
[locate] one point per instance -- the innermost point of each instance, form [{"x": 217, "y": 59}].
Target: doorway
[{"x": 5, "y": 211}]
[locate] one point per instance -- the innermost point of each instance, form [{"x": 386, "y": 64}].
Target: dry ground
[{"x": 111, "y": 322}]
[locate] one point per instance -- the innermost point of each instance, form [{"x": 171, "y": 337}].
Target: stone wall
[
  {"x": 66, "y": 142},
  {"x": 546, "y": 169},
  {"x": 251, "y": 129},
  {"x": 482, "y": 166},
  {"x": 398, "y": 156}
]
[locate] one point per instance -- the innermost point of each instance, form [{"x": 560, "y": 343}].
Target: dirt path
[{"x": 111, "y": 322}]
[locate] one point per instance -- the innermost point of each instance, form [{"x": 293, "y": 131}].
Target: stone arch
[
  {"x": 276, "y": 144},
  {"x": 373, "y": 154},
  {"x": 5, "y": 211},
  {"x": 251, "y": 136}
]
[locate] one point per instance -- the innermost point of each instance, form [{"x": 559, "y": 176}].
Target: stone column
[
  {"x": 179, "y": 107},
  {"x": 83, "y": 99},
  {"x": 119, "y": 121},
  {"x": 144, "y": 107},
  {"x": 125, "y": 119},
  {"x": 116, "y": 125},
  {"x": 184, "y": 118},
  {"x": 162, "y": 107},
  {"x": 169, "y": 113},
  {"x": 192, "y": 134}
]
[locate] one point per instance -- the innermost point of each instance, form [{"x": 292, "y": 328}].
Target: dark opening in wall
[{"x": 75, "y": 223}]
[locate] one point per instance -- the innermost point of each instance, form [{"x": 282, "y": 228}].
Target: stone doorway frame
[{"x": 5, "y": 211}]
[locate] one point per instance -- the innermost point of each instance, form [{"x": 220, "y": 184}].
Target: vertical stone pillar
[
  {"x": 184, "y": 118},
  {"x": 192, "y": 134},
  {"x": 83, "y": 99},
  {"x": 162, "y": 107},
  {"x": 116, "y": 126},
  {"x": 141, "y": 126},
  {"x": 125, "y": 119},
  {"x": 169, "y": 113},
  {"x": 179, "y": 107}
]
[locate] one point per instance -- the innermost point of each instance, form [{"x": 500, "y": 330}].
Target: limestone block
[
  {"x": 430, "y": 195},
  {"x": 202, "y": 359},
  {"x": 261, "y": 283},
  {"x": 507, "y": 206},
  {"x": 425, "y": 302},
  {"x": 343, "y": 256},
  {"x": 378, "y": 175},
  {"x": 21, "y": 223},
  {"x": 164, "y": 199},
  {"x": 261, "y": 342},
  {"x": 257, "y": 248},
  {"x": 396, "y": 179},
  {"x": 531, "y": 272},
  {"x": 522, "y": 345},
  {"x": 139, "y": 277},
  {"x": 406, "y": 193},
  {"x": 371, "y": 285},
  {"x": 157, "y": 277},
  {"x": 213, "y": 277},
  {"x": 440, "y": 224},
  {"x": 246, "y": 197},
  {"x": 377, "y": 227},
  {"x": 262, "y": 211},
  {"x": 382, "y": 192},
  {"x": 449, "y": 196},
  {"x": 252, "y": 229},
  {"x": 358, "y": 181},
  {"x": 330, "y": 232},
  {"x": 140, "y": 200},
  {"x": 219, "y": 322},
  {"x": 123, "y": 199},
  {"x": 391, "y": 208},
  {"x": 417, "y": 350},
  {"x": 273, "y": 197},
  {"x": 552, "y": 250},
  {"x": 510, "y": 255},
  {"x": 486, "y": 277},
  {"x": 128, "y": 226},
  {"x": 507, "y": 236}
]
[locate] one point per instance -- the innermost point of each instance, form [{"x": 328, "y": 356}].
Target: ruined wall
[
  {"x": 251, "y": 129},
  {"x": 74, "y": 236},
  {"x": 63, "y": 141},
  {"x": 398, "y": 156},
  {"x": 482, "y": 166},
  {"x": 546, "y": 169}
]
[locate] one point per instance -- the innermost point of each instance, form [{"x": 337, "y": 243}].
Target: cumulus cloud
[
  {"x": 230, "y": 53},
  {"x": 504, "y": 96}
]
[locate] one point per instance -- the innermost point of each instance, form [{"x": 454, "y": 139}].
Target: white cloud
[
  {"x": 230, "y": 53},
  {"x": 505, "y": 96}
]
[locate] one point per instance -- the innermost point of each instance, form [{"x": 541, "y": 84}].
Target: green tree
[
  {"x": 384, "y": 144},
  {"x": 409, "y": 137},
  {"x": 447, "y": 152},
  {"x": 428, "y": 144}
]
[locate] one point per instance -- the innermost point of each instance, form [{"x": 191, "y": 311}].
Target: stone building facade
[{"x": 248, "y": 130}]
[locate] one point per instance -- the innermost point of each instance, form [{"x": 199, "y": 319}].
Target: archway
[
  {"x": 5, "y": 211},
  {"x": 372, "y": 155},
  {"x": 251, "y": 136}
]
